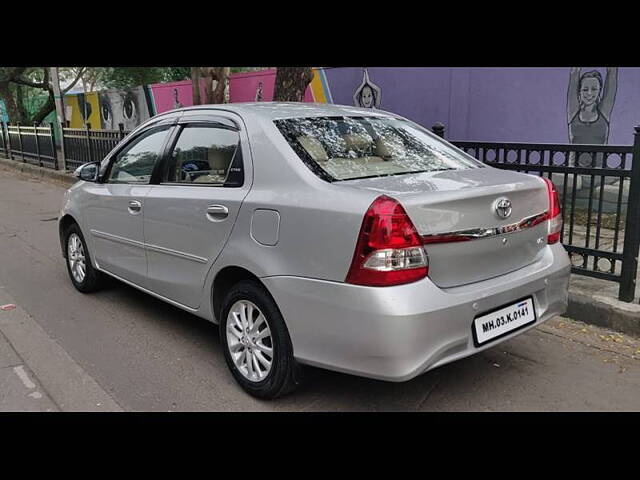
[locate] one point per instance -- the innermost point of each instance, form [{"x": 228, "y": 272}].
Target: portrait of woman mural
[{"x": 590, "y": 102}]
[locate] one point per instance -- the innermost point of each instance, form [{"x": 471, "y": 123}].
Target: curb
[
  {"x": 36, "y": 171},
  {"x": 593, "y": 309},
  {"x": 604, "y": 312}
]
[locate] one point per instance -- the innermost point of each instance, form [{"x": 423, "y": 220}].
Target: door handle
[
  {"x": 134, "y": 207},
  {"x": 217, "y": 212}
]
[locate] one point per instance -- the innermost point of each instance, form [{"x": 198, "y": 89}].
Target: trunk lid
[{"x": 463, "y": 202}]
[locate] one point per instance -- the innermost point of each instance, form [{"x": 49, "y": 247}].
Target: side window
[
  {"x": 202, "y": 155},
  {"x": 136, "y": 162}
]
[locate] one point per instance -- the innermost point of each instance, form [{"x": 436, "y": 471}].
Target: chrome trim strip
[
  {"x": 116, "y": 238},
  {"x": 146, "y": 246},
  {"x": 476, "y": 233},
  {"x": 150, "y": 292},
  {"x": 176, "y": 253}
]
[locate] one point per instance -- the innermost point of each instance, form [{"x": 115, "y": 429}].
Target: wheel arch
[
  {"x": 65, "y": 222},
  {"x": 224, "y": 280}
]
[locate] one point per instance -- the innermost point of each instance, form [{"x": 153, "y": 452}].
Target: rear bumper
[{"x": 397, "y": 333}]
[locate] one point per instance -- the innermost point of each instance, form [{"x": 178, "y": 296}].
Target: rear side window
[
  {"x": 203, "y": 155},
  {"x": 345, "y": 148}
]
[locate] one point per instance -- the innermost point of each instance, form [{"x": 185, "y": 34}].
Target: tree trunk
[
  {"x": 222, "y": 77},
  {"x": 195, "y": 85},
  {"x": 22, "y": 111},
  {"x": 291, "y": 83},
  {"x": 48, "y": 107}
]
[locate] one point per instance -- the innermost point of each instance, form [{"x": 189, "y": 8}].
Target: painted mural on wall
[
  {"x": 128, "y": 107},
  {"x": 172, "y": 95},
  {"x": 368, "y": 94},
  {"x": 259, "y": 86},
  {"x": 590, "y": 102}
]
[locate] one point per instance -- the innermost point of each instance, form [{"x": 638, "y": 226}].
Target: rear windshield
[{"x": 345, "y": 148}]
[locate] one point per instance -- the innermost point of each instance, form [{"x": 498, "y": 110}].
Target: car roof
[{"x": 280, "y": 110}]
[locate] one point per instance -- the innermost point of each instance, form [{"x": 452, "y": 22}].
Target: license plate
[{"x": 502, "y": 321}]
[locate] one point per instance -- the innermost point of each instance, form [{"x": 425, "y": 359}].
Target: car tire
[
  {"x": 77, "y": 253},
  {"x": 245, "y": 359}
]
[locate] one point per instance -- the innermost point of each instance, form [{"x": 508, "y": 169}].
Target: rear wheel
[
  {"x": 256, "y": 342},
  {"x": 83, "y": 276}
]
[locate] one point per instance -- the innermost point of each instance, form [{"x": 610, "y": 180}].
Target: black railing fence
[
  {"x": 599, "y": 188},
  {"x": 83, "y": 145},
  {"x": 32, "y": 144}
]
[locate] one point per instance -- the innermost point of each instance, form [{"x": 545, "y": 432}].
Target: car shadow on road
[{"x": 320, "y": 390}]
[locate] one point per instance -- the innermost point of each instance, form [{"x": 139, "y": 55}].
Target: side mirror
[{"x": 87, "y": 172}]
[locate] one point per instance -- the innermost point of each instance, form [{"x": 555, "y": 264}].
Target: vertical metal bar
[
  {"x": 573, "y": 205},
  {"x": 605, "y": 156},
  {"x": 121, "y": 130},
  {"x": 20, "y": 142},
  {"x": 4, "y": 143},
  {"x": 632, "y": 228},
  {"x": 616, "y": 231},
  {"x": 9, "y": 142},
  {"x": 35, "y": 130},
  {"x": 590, "y": 203},
  {"x": 53, "y": 145},
  {"x": 87, "y": 132},
  {"x": 564, "y": 195}
]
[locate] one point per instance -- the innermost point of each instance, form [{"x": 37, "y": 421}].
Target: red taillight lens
[
  {"x": 554, "y": 214},
  {"x": 389, "y": 250}
]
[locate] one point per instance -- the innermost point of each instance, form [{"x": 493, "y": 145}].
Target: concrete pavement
[{"x": 126, "y": 350}]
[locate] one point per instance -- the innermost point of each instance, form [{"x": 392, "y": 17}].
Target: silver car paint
[{"x": 392, "y": 332}]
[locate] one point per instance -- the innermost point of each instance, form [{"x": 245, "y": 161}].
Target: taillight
[
  {"x": 554, "y": 214},
  {"x": 389, "y": 250}
]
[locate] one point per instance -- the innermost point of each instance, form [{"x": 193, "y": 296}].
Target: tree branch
[{"x": 73, "y": 84}]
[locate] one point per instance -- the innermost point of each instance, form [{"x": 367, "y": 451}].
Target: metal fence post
[
  {"x": 438, "y": 128},
  {"x": 53, "y": 145},
  {"x": 20, "y": 142},
  {"x": 63, "y": 152},
  {"x": 9, "y": 143},
  {"x": 632, "y": 228},
  {"x": 4, "y": 141},
  {"x": 87, "y": 128},
  {"x": 35, "y": 131}
]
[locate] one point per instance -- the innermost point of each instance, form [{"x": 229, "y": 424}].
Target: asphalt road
[{"x": 146, "y": 355}]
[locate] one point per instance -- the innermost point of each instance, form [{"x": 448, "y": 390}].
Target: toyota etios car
[{"x": 333, "y": 236}]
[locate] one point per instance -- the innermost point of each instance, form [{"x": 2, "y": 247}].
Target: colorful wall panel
[
  {"x": 168, "y": 96},
  {"x": 85, "y": 108},
  {"x": 259, "y": 86}
]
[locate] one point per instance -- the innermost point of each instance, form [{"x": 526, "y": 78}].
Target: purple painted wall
[{"x": 489, "y": 104}]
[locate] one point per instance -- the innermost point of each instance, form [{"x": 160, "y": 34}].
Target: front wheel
[
  {"x": 83, "y": 276},
  {"x": 256, "y": 342}
]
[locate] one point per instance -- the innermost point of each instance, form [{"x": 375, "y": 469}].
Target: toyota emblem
[{"x": 503, "y": 207}]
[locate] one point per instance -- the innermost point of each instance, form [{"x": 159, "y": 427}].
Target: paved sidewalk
[{"x": 36, "y": 374}]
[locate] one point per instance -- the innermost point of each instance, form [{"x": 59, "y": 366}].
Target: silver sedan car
[{"x": 344, "y": 238}]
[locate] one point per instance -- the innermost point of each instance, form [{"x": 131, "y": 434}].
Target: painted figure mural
[
  {"x": 590, "y": 102},
  {"x": 176, "y": 101},
  {"x": 589, "y": 105},
  {"x": 367, "y": 95}
]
